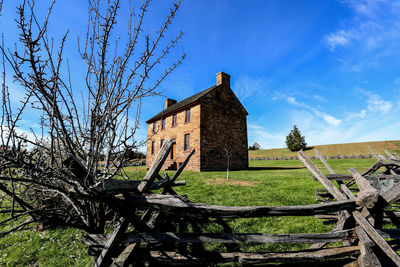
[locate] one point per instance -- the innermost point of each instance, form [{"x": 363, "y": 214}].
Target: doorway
[{"x": 173, "y": 150}]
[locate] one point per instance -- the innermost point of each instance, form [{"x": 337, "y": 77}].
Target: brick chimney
[
  {"x": 224, "y": 79},
  {"x": 169, "y": 102}
]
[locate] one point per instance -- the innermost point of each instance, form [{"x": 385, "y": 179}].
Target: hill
[{"x": 333, "y": 150}]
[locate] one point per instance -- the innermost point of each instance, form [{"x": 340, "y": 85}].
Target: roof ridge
[{"x": 185, "y": 102}]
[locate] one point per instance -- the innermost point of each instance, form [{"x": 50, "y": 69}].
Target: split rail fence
[{"x": 165, "y": 228}]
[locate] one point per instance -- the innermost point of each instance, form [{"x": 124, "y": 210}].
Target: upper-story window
[
  {"x": 154, "y": 127},
  {"x": 232, "y": 100},
  {"x": 152, "y": 147},
  {"x": 174, "y": 120},
  {"x": 187, "y": 117},
  {"x": 218, "y": 95},
  {"x": 162, "y": 124},
  {"x": 186, "y": 145}
]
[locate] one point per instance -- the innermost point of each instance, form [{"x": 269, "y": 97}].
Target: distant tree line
[
  {"x": 135, "y": 154},
  {"x": 255, "y": 146}
]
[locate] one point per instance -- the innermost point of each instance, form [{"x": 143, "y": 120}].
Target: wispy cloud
[
  {"x": 374, "y": 127},
  {"x": 371, "y": 35},
  {"x": 377, "y": 119},
  {"x": 247, "y": 86},
  {"x": 339, "y": 38},
  {"x": 370, "y": 8},
  {"x": 359, "y": 115},
  {"x": 326, "y": 117},
  {"x": 375, "y": 103},
  {"x": 319, "y": 98}
]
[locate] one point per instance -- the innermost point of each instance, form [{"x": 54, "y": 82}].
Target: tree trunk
[{"x": 227, "y": 171}]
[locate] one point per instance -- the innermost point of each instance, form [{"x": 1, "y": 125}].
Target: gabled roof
[{"x": 182, "y": 104}]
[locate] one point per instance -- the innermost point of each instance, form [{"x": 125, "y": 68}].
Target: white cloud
[
  {"x": 331, "y": 120},
  {"x": 326, "y": 117},
  {"x": 359, "y": 115},
  {"x": 375, "y": 103},
  {"x": 357, "y": 127},
  {"x": 367, "y": 8},
  {"x": 375, "y": 127},
  {"x": 370, "y": 37},
  {"x": 340, "y": 38},
  {"x": 246, "y": 87},
  {"x": 28, "y": 134}
]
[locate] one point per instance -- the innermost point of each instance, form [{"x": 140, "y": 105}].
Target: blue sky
[{"x": 330, "y": 67}]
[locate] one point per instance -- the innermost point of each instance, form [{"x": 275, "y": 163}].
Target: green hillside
[{"x": 333, "y": 150}]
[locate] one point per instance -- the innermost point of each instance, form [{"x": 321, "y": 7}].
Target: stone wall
[
  {"x": 178, "y": 132},
  {"x": 218, "y": 121},
  {"x": 223, "y": 123}
]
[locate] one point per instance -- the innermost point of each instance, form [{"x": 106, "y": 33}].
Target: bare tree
[
  {"x": 54, "y": 174},
  {"x": 228, "y": 153}
]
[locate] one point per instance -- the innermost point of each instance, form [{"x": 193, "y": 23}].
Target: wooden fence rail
[{"x": 165, "y": 228}]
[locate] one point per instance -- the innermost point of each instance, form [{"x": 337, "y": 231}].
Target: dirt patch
[{"x": 221, "y": 181}]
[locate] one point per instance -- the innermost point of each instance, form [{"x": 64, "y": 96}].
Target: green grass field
[
  {"x": 333, "y": 150},
  {"x": 265, "y": 183}
]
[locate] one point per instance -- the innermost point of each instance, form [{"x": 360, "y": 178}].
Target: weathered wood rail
[
  {"x": 369, "y": 220},
  {"x": 352, "y": 156},
  {"x": 165, "y": 228}
]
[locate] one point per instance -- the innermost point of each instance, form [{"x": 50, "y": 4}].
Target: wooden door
[{"x": 173, "y": 150}]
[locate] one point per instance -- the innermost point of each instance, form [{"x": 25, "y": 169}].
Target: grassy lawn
[{"x": 265, "y": 183}]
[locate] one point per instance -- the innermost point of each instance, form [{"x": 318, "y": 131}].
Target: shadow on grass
[
  {"x": 274, "y": 168},
  {"x": 308, "y": 148}
]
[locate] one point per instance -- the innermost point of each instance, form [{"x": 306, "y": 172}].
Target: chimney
[
  {"x": 224, "y": 79},
  {"x": 169, "y": 102}
]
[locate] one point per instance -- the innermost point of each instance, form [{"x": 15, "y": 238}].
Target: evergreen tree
[{"x": 295, "y": 141}]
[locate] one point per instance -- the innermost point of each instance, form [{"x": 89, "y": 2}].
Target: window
[
  {"x": 163, "y": 124},
  {"x": 187, "y": 142},
  {"x": 161, "y": 143},
  {"x": 232, "y": 100},
  {"x": 154, "y": 127},
  {"x": 174, "y": 120},
  {"x": 187, "y": 118},
  {"x": 218, "y": 95},
  {"x": 152, "y": 147}
]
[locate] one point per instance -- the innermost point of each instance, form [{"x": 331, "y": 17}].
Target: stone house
[{"x": 212, "y": 122}]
